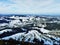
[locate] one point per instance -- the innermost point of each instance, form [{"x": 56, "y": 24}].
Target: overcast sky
[{"x": 29, "y": 6}]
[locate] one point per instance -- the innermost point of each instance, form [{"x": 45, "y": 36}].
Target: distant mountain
[{"x": 24, "y": 28}]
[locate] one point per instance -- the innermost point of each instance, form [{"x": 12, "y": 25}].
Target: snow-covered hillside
[
  {"x": 33, "y": 34},
  {"x": 25, "y": 29}
]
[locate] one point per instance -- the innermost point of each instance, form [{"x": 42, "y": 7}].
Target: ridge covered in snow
[
  {"x": 33, "y": 34},
  {"x": 6, "y": 30}
]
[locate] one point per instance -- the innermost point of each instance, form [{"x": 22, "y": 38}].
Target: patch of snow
[
  {"x": 44, "y": 30},
  {"x": 15, "y": 23},
  {"x": 9, "y": 30},
  {"x": 3, "y": 24}
]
